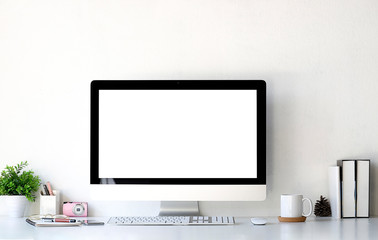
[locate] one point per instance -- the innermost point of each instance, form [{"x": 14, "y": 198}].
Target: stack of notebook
[
  {"x": 349, "y": 187},
  {"x": 42, "y": 223}
]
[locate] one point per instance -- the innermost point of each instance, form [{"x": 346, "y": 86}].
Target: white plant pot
[{"x": 16, "y": 205}]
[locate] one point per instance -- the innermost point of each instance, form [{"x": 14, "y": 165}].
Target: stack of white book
[{"x": 349, "y": 188}]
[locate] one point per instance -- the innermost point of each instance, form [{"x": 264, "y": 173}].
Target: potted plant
[{"x": 19, "y": 187}]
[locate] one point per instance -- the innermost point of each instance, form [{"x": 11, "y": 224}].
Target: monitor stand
[{"x": 179, "y": 208}]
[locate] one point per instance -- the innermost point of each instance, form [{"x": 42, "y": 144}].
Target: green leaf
[{"x": 15, "y": 182}]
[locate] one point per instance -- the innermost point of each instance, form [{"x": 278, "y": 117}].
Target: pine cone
[{"x": 322, "y": 208}]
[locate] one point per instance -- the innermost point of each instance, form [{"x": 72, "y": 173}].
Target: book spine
[
  {"x": 348, "y": 189},
  {"x": 363, "y": 185},
  {"x": 334, "y": 190}
]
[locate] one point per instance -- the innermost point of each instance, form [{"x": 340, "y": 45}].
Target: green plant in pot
[{"x": 19, "y": 186}]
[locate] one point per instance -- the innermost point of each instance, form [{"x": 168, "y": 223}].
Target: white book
[
  {"x": 363, "y": 188},
  {"x": 334, "y": 190},
  {"x": 348, "y": 188}
]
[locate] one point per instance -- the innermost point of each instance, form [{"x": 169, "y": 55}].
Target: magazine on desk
[{"x": 41, "y": 223}]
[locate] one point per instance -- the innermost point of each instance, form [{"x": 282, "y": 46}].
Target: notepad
[{"x": 40, "y": 223}]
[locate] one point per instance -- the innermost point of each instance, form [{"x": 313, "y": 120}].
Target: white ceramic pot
[{"x": 16, "y": 205}]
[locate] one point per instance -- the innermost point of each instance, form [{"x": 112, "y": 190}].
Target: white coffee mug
[{"x": 292, "y": 206}]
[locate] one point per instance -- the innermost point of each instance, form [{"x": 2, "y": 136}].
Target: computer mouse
[{"x": 258, "y": 221}]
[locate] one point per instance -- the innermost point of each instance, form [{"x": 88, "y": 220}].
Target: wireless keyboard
[{"x": 171, "y": 220}]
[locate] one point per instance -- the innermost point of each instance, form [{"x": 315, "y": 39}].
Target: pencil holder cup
[{"x": 49, "y": 204}]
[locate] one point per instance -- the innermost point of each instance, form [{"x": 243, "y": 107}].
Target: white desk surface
[{"x": 313, "y": 228}]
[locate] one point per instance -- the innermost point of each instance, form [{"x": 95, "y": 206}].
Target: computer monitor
[{"x": 184, "y": 140}]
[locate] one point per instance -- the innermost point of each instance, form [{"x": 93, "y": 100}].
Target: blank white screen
[{"x": 177, "y": 134}]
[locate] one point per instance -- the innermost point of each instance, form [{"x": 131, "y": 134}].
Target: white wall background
[{"x": 319, "y": 58}]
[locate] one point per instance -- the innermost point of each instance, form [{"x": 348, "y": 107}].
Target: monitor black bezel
[{"x": 258, "y": 85}]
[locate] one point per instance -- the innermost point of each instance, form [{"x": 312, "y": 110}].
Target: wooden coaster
[{"x": 294, "y": 219}]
